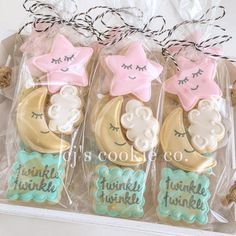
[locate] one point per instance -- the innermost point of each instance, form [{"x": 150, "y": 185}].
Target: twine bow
[
  {"x": 106, "y": 34},
  {"x": 45, "y": 16}
]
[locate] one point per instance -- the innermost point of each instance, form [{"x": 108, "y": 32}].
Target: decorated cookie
[
  {"x": 142, "y": 127},
  {"x": 177, "y": 148},
  {"x": 184, "y": 196},
  {"x": 119, "y": 192},
  {"x": 194, "y": 81},
  {"x": 133, "y": 73},
  {"x": 100, "y": 102},
  {"x": 65, "y": 64},
  {"x": 36, "y": 177},
  {"x": 32, "y": 125},
  {"x": 109, "y": 136},
  {"x": 206, "y": 127},
  {"x": 64, "y": 111}
]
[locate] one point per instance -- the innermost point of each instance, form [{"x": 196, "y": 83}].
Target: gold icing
[
  {"x": 173, "y": 143},
  {"x": 32, "y": 126},
  {"x": 110, "y": 138}
]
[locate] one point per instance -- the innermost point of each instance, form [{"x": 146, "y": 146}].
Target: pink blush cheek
[
  {"x": 124, "y": 75},
  {"x": 203, "y": 81},
  {"x": 137, "y": 74},
  {"x": 186, "y": 90}
]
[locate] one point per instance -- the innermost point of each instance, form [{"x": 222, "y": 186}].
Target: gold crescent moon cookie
[
  {"x": 32, "y": 126},
  {"x": 110, "y": 139},
  {"x": 100, "y": 103},
  {"x": 174, "y": 140}
]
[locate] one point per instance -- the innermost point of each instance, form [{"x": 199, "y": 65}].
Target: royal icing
[
  {"x": 184, "y": 196},
  {"x": 110, "y": 138},
  {"x": 64, "y": 111},
  {"x": 119, "y": 192},
  {"x": 133, "y": 73},
  {"x": 178, "y": 150},
  {"x": 194, "y": 81},
  {"x": 142, "y": 127},
  {"x": 65, "y": 64},
  {"x": 32, "y": 126},
  {"x": 206, "y": 127},
  {"x": 36, "y": 177}
]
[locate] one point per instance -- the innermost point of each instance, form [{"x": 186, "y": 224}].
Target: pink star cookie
[
  {"x": 65, "y": 64},
  {"x": 194, "y": 81},
  {"x": 133, "y": 73}
]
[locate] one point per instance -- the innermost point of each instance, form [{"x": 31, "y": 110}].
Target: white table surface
[{"x": 12, "y": 16}]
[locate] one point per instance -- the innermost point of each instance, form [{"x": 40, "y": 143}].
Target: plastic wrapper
[
  {"x": 197, "y": 133},
  {"x": 48, "y": 107},
  {"x": 122, "y": 127},
  {"x": 192, "y": 104},
  {"x": 137, "y": 125}
]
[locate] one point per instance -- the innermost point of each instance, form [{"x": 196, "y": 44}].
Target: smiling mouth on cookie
[
  {"x": 44, "y": 132},
  {"x": 132, "y": 77},
  {"x": 195, "y": 88},
  {"x": 120, "y": 144},
  {"x": 64, "y": 69},
  {"x": 189, "y": 151}
]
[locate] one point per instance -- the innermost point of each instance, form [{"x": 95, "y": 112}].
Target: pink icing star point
[
  {"x": 133, "y": 73},
  {"x": 194, "y": 81},
  {"x": 65, "y": 64}
]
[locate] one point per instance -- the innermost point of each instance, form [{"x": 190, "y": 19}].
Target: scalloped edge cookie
[
  {"x": 31, "y": 161},
  {"x": 119, "y": 176},
  {"x": 181, "y": 213}
]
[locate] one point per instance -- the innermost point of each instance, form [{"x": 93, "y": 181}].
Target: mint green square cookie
[
  {"x": 184, "y": 196},
  {"x": 36, "y": 177},
  {"x": 119, "y": 192}
]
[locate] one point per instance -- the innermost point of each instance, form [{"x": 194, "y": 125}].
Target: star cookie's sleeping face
[
  {"x": 133, "y": 73},
  {"x": 65, "y": 64},
  {"x": 194, "y": 81},
  {"x": 191, "y": 83},
  {"x": 63, "y": 55}
]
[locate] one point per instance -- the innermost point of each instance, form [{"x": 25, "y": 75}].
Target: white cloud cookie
[
  {"x": 65, "y": 112},
  {"x": 142, "y": 127},
  {"x": 206, "y": 127}
]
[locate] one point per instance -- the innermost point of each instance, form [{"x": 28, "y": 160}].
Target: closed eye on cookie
[
  {"x": 127, "y": 67},
  {"x": 112, "y": 127},
  {"x": 198, "y": 73},
  {"x": 184, "y": 81},
  {"x": 178, "y": 134},
  {"x": 56, "y": 61},
  {"x": 70, "y": 58},
  {"x": 141, "y": 68},
  {"x": 37, "y": 115}
]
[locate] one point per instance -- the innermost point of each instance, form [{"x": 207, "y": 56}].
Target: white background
[{"x": 12, "y": 16}]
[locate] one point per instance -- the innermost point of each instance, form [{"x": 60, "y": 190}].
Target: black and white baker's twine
[
  {"x": 96, "y": 23},
  {"x": 45, "y": 16}
]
